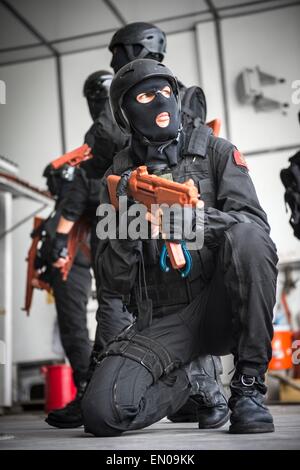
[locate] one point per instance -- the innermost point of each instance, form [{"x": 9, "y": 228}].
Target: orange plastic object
[
  {"x": 32, "y": 280},
  {"x": 73, "y": 158},
  {"x": 150, "y": 189},
  {"x": 77, "y": 240},
  {"x": 215, "y": 125},
  {"x": 176, "y": 255},
  {"x": 281, "y": 348}
]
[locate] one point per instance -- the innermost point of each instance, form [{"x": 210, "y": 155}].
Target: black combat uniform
[
  {"x": 71, "y": 296},
  {"x": 105, "y": 139},
  {"x": 225, "y": 305},
  {"x": 82, "y": 199}
]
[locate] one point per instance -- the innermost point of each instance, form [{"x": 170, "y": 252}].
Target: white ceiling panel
[
  {"x": 254, "y": 7},
  {"x": 12, "y": 32},
  {"x": 57, "y": 19},
  {"x": 227, "y": 3},
  {"x": 90, "y": 42},
  {"x": 137, "y": 10},
  {"x": 182, "y": 24},
  {"x": 72, "y": 25},
  {"x": 247, "y": 5}
]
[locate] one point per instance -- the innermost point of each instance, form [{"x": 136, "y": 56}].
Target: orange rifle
[
  {"x": 73, "y": 158},
  {"x": 215, "y": 125},
  {"x": 81, "y": 228},
  {"x": 77, "y": 240},
  {"x": 151, "y": 189},
  {"x": 33, "y": 280},
  {"x": 77, "y": 235}
]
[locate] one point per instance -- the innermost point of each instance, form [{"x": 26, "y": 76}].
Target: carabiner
[
  {"x": 188, "y": 259},
  {"x": 184, "y": 272},
  {"x": 163, "y": 259}
]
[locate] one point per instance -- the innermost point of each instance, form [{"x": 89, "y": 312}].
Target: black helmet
[
  {"x": 97, "y": 85},
  {"x": 131, "y": 74},
  {"x": 148, "y": 36}
]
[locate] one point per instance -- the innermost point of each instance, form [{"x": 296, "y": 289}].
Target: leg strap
[{"x": 146, "y": 351}]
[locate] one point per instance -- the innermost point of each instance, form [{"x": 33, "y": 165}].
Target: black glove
[
  {"x": 179, "y": 224},
  {"x": 60, "y": 246}
]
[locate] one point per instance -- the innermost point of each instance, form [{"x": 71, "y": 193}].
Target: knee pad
[{"x": 97, "y": 404}]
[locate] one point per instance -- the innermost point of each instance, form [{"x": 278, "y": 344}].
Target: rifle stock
[
  {"x": 215, "y": 125},
  {"x": 77, "y": 239},
  {"x": 33, "y": 280}
]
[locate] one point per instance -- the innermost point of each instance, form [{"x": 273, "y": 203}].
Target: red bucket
[{"x": 59, "y": 386}]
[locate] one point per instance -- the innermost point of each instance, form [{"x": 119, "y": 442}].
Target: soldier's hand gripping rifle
[{"x": 150, "y": 189}]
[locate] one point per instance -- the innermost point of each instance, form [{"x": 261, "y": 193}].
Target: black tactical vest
[{"x": 169, "y": 289}]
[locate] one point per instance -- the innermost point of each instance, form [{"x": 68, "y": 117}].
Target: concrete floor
[{"x": 29, "y": 431}]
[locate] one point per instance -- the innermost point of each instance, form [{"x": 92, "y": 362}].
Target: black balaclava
[{"x": 152, "y": 144}]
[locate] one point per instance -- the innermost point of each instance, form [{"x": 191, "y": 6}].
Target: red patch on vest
[{"x": 239, "y": 159}]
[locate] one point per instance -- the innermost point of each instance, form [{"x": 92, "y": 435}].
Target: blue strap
[{"x": 188, "y": 259}]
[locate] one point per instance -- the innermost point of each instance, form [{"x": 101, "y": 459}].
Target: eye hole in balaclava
[{"x": 152, "y": 110}]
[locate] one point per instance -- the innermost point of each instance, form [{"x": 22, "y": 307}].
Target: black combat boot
[
  {"x": 70, "y": 416},
  {"x": 249, "y": 414},
  {"x": 207, "y": 403}
]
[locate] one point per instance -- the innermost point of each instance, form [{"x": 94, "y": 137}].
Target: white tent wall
[
  {"x": 30, "y": 133},
  {"x": 30, "y": 137},
  {"x": 75, "y": 69},
  {"x": 270, "y": 40}
]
